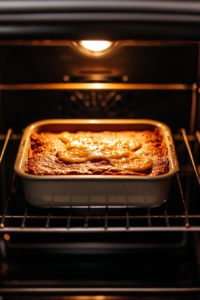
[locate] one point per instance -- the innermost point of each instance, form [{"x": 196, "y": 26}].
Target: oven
[{"x": 100, "y": 60}]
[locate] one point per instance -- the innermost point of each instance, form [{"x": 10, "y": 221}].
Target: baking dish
[{"x": 100, "y": 190}]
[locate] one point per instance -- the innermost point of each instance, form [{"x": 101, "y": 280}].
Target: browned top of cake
[{"x": 107, "y": 153}]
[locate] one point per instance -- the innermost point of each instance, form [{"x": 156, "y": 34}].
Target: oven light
[
  {"x": 97, "y": 86},
  {"x": 96, "y": 46}
]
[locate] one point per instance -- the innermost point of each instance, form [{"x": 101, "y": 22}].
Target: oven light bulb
[{"x": 96, "y": 46}]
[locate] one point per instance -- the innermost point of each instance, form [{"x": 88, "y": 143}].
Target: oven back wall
[{"x": 43, "y": 64}]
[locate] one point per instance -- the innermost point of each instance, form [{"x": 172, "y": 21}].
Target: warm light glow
[
  {"x": 96, "y": 86},
  {"x": 6, "y": 237},
  {"x": 98, "y": 297},
  {"x": 93, "y": 121},
  {"x": 96, "y": 46}
]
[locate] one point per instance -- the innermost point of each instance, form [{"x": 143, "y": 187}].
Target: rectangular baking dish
[{"x": 99, "y": 190}]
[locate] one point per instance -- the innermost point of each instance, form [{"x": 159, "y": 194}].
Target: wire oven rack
[{"x": 101, "y": 218}]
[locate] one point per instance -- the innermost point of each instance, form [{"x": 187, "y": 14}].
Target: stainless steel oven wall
[{"x": 127, "y": 64}]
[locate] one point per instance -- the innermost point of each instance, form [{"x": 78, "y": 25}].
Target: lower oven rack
[
  {"x": 91, "y": 219},
  {"x": 104, "y": 216}
]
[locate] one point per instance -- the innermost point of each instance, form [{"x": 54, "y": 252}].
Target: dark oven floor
[{"x": 74, "y": 267}]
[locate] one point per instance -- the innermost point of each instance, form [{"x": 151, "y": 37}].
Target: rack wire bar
[
  {"x": 87, "y": 219},
  {"x": 166, "y": 216},
  {"x": 179, "y": 137},
  {"x": 106, "y": 218},
  {"x": 7, "y": 137},
  {"x": 13, "y": 136},
  {"x": 149, "y": 219},
  {"x": 101, "y": 229},
  {"x": 193, "y": 109},
  {"x": 185, "y": 208},
  {"x": 198, "y": 136},
  {"x": 68, "y": 219},
  {"x": 127, "y": 219},
  {"x": 10, "y": 190},
  {"x": 76, "y": 290},
  {"x": 24, "y": 218},
  {"x": 95, "y": 86},
  {"x": 48, "y": 219},
  {"x": 190, "y": 153},
  {"x": 5, "y": 143},
  {"x": 7, "y": 202}
]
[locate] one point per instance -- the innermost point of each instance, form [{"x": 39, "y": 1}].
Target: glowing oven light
[{"x": 96, "y": 46}]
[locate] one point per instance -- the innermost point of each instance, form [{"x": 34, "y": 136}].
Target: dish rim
[{"x": 27, "y": 131}]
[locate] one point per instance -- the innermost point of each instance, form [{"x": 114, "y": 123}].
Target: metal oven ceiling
[{"x": 111, "y": 20}]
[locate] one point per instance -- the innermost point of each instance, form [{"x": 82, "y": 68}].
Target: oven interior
[{"x": 108, "y": 252}]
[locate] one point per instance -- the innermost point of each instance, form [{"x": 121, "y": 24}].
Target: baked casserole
[{"x": 141, "y": 153}]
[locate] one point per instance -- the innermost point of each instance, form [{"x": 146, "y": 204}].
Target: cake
[{"x": 139, "y": 153}]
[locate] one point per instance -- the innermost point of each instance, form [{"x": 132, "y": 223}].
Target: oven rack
[{"x": 104, "y": 215}]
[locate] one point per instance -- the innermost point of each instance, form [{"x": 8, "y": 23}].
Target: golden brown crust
[{"x": 42, "y": 159}]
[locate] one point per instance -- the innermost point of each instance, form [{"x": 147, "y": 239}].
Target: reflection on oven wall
[{"x": 56, "y": 64}]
